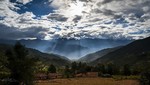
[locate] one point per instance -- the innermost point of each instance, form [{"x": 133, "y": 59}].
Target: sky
[{"x": 52, "y": 19}]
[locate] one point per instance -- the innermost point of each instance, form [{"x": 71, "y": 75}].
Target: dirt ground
[{"x": 88, "y": 81}]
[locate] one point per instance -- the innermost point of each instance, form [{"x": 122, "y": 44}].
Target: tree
[
  {"x": 67, "y": 72},
  {"x": 52, "y": 69},
  {"x": 79, "y": 65},
  {"x": 145, "y": 78},
  {"x": 126, "y": 70},
  {"x": 41, "y": 67},
  {"x": 82, "y": 67},
  {"x": 73, "y": 68},
  {"x": 88, "y": 68},
  {"x": 101, "y": 68},
  {"x": 4, "y": 72},
  {"x": 136, "y": 70},
  {"x": 145, "y": 74},
  {"x": 20, "y": 65},
  {"x": 110, "y": 68}
]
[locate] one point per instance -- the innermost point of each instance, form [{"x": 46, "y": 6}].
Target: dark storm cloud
[
  {"x": 14, "y": 33},
  {"x": 117, "y": 16},
  {"x": 108, "y": 12},
  {"x": 57, "y": 17},
  {"x": 77, "y": 18},
  {"x": 37, "y": 32},
  {"x": 82, "y": 0},
  {"x": 146, "y": 3},
  {"x": 107, "y": 1},
  {"x": 96, "y": 10},
  {"x": 85, "y": 0},
  {"x": 104, "y": 11},
  {"x": 6, "y": 31},
  {"x": 95, "y": 20}
]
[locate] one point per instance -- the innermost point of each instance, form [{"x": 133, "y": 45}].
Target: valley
[{"x": 101, "y": 67}]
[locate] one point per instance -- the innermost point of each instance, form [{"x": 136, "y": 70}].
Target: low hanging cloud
[{"x": 108, "y": 19}]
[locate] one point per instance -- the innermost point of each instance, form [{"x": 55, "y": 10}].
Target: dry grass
[
  {"x": 120, "y": 77},
  {"x": 88, "y": 81}
]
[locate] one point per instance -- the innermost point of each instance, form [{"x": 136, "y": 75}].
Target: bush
[{"x": 145, "y": 78}]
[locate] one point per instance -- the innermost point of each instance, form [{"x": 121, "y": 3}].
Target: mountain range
[{"x": 70, "y": 48}]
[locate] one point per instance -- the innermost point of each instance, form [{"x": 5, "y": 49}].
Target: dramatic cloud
[
  {"x": 57, "y": 17},
  {"x": 49, "y": 19},
  {"x": 15, "y": 33}
]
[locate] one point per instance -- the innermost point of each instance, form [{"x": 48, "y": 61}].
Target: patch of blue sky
[
  {"x": 120, "y": 21},
  {"x": 37, "y": 7},
  {"x": 108, "y": 22},
  {"x": 2, "y": 17},
  {"x": 138, "y": 32},
  {"x": 57, "y": 28}
]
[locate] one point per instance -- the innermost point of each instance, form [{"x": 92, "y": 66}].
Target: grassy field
[{"x": 88, "y": 81}]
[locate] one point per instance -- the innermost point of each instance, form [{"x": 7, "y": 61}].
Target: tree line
[{"x": 111, "y": 69}]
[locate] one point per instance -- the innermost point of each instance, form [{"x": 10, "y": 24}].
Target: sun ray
[{"x": 76, "y": 8}]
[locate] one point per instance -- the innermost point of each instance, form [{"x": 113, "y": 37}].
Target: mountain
[
  {"x": 37, "y": 44},
  {"x": 93, "y": 56},
  {"x": 44, "y": 57},
  {"x": 135, "y": 53},
  {"x": 77, "y": 48},
  {"x": 65, "y": 49},
  {"x": 70, "y": 48}
]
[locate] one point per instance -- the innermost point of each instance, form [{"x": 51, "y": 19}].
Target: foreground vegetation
[{"x": 88, "y": 81}]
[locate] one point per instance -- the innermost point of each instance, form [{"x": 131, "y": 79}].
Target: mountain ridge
[
  {"x": 93, "y": 56},
  {"x": 44, "y": 57},
  {"x": 133, "y": 53}
]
